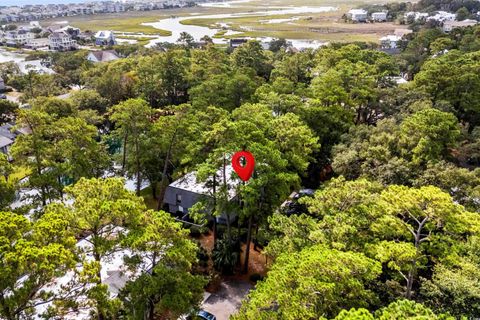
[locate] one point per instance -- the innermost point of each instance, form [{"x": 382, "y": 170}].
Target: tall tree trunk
[
  {"x": 249, "y": 240},
  {"x": 225, "y": 186},
  {"x": 124, "y": 157},
  {"x": 214, "y": 209},
  {"x": 150, "y": 314},
  {"x": 413, "y": 270},
  {"x": 154, "y": 190},
  {"x": 163, "y": 182},
  {"x": 96, "y": 256},
  {"x": 137, "y": 161}
]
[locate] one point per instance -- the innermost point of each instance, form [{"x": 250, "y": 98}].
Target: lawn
[{"x": 18, "y": 173}]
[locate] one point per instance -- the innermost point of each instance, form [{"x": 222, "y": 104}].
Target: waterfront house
[
  {"x": 105, "y": 38},
  {"x": 61, "y": 41},
  {"x": 357, "y": 15},
  {"x": 102, "y": 56}
]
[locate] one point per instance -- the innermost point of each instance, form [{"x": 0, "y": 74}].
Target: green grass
[
  {"x": 19, "y": 173},
  {"x": 117, "y": 22},
  {"x": 146, "y": 194}
]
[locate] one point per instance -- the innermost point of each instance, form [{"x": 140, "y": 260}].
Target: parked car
[
  {"x": 2, "y": 96},
  {"x": 293, "y": 206},
  {"x": 203, "y": 315},
  {"x": 200, "y": 315}
]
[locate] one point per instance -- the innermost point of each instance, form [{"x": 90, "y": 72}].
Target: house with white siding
[{"x": 357, "y": 15}]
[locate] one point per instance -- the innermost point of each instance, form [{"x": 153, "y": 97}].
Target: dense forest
[{"x": 392, "y": 231}]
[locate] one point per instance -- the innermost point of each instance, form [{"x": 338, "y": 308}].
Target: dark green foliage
[{"x": 226, "y": 255}]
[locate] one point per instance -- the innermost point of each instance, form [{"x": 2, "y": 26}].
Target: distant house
[
  {"x": 74, "y": 32},
  {"x": 61, "y": 41},
  {"x": 5, "y": 144},
  {"x": 357, "y": 15},
  {"x": 105, "y": 38},
  {"x": 235, "y": 43},
  {"x": 102, "y": 56},
  {"x": 18, "y": 38},
  {"x": 183, "y": 193},
  {"x": 7, "y": 138},
  {"x": 379, "y": 16},
  {"x": 415, "y": 16},
  {"x": 402, "y": 32},
  {"x": 442, "y": 16},
  {"x": 37, "y": 43},
  {"x": 390, "y": 42},
  {"x": 448, "y": 26}
]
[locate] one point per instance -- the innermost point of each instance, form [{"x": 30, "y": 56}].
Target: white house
[
  {"x": 37, "y": 43},
  {"x": 448, "y": 26},
  {"x": 443, "y": 16},
  {"x": 61, "y": 41},
  {"x": 18, "y": 38},
  {"x": 357, "y": 15},
  {"x": 390, "y": 42},
  {"x": 102, "y": 56},
  {"x": 415, "y": 15},
  {"x": 105, "y": 38},
  {"x": 379, "y": 16}
]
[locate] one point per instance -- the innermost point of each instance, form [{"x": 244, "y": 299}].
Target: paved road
[{"x": 227, "y": 300}]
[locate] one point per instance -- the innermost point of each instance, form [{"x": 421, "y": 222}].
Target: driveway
[{"x": 228, "y": 299}]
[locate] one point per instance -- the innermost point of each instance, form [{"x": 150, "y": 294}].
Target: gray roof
[
  {"x": 4, "y": 141},
  {"x": 189, "y": 183},
  {"x": 5, "y": 131}
]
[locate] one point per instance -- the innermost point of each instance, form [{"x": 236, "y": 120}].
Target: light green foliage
[
  {"x": 453, "y": 77},
  {"x": 345, "y": 212},
  {"x": 349, "y": 77},
  {"x": 101, "y": 208},
  {"x": 60, "y": 147},
  {"x": 169, "y": 287},
  {"x": 89, "y": 100},
  {"x": 454, "y": 285},
  {"x": 162, "y": 78},
  {"x": 312, "y": 283},
  {"x": 461, "y": 183},
  {"x": 33, "y": 253},
  {"x": 114, "y": 81},
  {"x": 251, "y": 55},
  {"x": 394, "y": 154},
  {"x": 428, "y": 135},
  {"x": 7, "y": 187},
  {"x": 133, "y": 121},
  {"x": 407, "y": 309}
]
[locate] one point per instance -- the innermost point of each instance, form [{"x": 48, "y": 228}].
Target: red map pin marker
[{"x": 244, "y": 171}]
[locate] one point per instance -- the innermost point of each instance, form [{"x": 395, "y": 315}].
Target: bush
[{"x": 226, "y": 255}]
